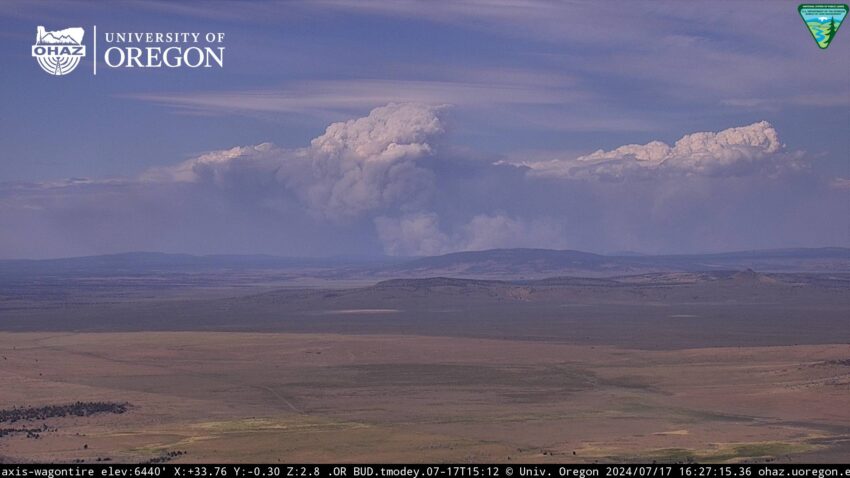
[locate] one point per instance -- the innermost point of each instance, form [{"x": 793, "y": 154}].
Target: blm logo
[
  {"x": 823, "y": 21},
  {"x": 59, "y": 52}
]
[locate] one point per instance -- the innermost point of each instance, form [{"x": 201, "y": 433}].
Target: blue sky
[{"x": 514, "y": 85}]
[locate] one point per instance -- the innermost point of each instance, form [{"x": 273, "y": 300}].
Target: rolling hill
[
  {"x": 538, "y": 263},
  {"x": 508, "y": 264}
]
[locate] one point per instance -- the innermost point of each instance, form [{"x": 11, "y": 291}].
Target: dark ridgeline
[
  {"x": 164, "y": 458},
  {"x": 77, "y": 409},
  {"x": 34, "y": 433}
]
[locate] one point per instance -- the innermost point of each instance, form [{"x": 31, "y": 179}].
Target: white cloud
[
  {"x": 731, "y": 152},
  {"x": 840, "y": 183},
  {"x": 487, "y": 89}
]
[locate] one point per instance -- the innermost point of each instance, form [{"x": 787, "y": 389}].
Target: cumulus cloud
[{"x": 731, "y": 152}]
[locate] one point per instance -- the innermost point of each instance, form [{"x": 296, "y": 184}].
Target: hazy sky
[{"x": 413, "y": 127}]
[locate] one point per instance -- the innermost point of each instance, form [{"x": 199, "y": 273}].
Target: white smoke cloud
[
  {"x": 731, "y": 152},
  {"x": 389, "y": 133},
  {"x": 219, "y": 167},
  {"x": 412, "y": 235},
  {"x": 421, "y": 235},
  {"x": 355, "y": 167},
  {"x": 369, "y": 163},
  {"x": 386, "y": 182},
  {"x": 487, "y": 231},
  {"x": 374, "y": 168}
]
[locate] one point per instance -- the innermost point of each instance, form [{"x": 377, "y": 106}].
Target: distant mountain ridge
[
  {"x": 548, "y": 263},
  {"x": 132, "y": 263},
  {"x": 509, "y": 264}
]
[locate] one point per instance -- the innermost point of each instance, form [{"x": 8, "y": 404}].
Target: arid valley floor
[
  {"x": 715, "y": 367},
  {"x": 306, "y": 398}
]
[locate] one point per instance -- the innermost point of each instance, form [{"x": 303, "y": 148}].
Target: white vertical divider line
[{"x": 95, "y": 50}]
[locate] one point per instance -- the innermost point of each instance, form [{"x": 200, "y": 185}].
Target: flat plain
[
  {"x": 712, "y": 367},
  {"x": 228, "y": 396}
]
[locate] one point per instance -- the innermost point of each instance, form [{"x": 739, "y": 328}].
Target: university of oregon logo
[
  {"x": 823, "y": 21},
  {"x": 59, "y": 52}
]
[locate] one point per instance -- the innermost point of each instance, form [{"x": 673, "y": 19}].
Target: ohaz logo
[{"x": 59, "y": 52}]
